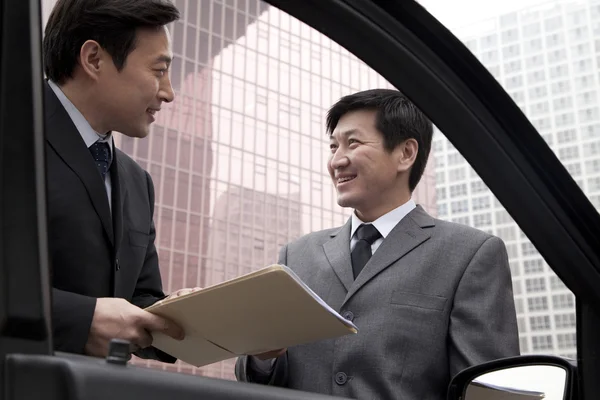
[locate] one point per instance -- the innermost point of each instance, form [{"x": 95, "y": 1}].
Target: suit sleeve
[
  {"x": 71, "y": 320},
  {"x": 483, "y": 321},
  {"x": 246, "y": 369},
  {"x": 148, "y": 289}
]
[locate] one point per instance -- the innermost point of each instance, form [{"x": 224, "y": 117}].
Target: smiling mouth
[{"x": 345, "y": 179}]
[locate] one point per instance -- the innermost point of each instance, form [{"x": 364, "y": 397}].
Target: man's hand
[
  {"x": 117, "y": 318},
  {"x": 181, "y": 292},
  {"x": 270, "y": 354}
]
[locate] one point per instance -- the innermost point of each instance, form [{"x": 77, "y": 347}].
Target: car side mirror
[{"x": 533, "y": 377}]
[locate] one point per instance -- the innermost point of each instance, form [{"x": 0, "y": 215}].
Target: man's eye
[
  {"x": 351, "y": 141},
  {"x": 333, "y": 147}
]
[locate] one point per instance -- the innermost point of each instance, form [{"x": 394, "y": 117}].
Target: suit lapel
[
  {"x": 337, "y": 251},
  {"x": 63, "y": 137},
  {"x": 406, "y": 235},
  {"x": 119, "y": 194}
]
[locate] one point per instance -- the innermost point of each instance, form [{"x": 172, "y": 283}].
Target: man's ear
[
  {"x": 407, "y": 154},
  {"x": 92, "y": 59}
]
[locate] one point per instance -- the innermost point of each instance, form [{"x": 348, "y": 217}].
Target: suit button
[
  {"x": 341, "y": 378},
  {"x": 117, "y": 266},
  {"x": 348, "y": 315}
]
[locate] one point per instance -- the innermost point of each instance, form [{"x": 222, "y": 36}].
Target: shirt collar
[
  {"x": 386, "y": 222},
  {"x": 88, "y": 134}
]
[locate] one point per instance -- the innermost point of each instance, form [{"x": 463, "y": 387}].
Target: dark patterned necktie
[
  {"x": 366, "y": 234},
  {"x": 101, "y": 153}
]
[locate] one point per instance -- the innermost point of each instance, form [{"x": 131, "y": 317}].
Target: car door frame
[{"x": 415, "y": 53}]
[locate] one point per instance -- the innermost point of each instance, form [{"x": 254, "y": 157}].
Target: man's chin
[
  {"x": 137, "y": 133},
  {"x": 345, "y": 201}
]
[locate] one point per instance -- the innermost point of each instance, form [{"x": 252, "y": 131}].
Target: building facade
[{"x": 547, "y": 58}]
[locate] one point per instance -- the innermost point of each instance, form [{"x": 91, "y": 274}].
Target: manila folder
[{"x": 262, "y": 311}]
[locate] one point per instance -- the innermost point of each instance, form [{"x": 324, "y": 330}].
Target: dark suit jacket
[
  {"x": 435, "y": 298},
  {"x": 92, "y": 253}
]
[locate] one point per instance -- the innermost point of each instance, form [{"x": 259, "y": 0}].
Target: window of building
[
  {"x": 539, "y": 323},
  {"x": 478, "y": 187},
  {"x": 528, "y": 249},
  {"x": 533, "y": 266},
  {"x": 556, "y": 283},
  {"x": 557, "y": 56},
  {"x": 518, "y": 96},
  {"x": 458, "y": 190},
  {"x": 480, "y": 220},
  {"x": 532, "y": 29},
  {"x": 514, "y": 82},
  {"x": 533, "y": 285},
  {"x": 555, "y": 39},
  {"x": 592, "y": 149},
  {"x": 594, "y": 184},
  {"x": 559, "y": 71},
  {"x": 537, "y": 303},
  {"x": 539, "y": 108},
  {"x": 440, "y": 193},
  {"x": 564, "y": 119},
  {"x": 489, "y": 41},
  {"x": 568, "y": 153},
  {"x": 457, "y": 174},
  {"x": 503, "y": 217},
  {"x": 592, "y": 166},
  {"x": 565, "y": 321},
  {"x": 558, "y": 88},
  {"x": 567, "y": 135},
  {"x": 442, "y": 209},
  {"x": 553, "y": 24},
  {"x": 480, "y": 203},
  {"x": 455, "y": 159},
  {"x": 562, "y": 301},
  {"x": 542, "y": 342},
  {"x": 536, "y": 60},
  {"x": 589, "y": 114},
  {"x": 584, "y": 82},
  {"x": 459, "y": 206},
  {"x": 574, "y": 169},
  {"x": 510, "y": 35},
  {"x": 512, "y": 67},
  {"x": 566, "y": 340}
]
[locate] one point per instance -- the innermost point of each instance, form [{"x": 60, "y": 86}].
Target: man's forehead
[{"x": 154, "y": 40}]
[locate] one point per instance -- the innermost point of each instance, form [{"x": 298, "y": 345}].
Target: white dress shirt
[
  {"x": 88, "y": 134},
  {"x": 384, "y": 224}
]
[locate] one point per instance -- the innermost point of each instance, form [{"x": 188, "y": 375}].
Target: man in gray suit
[{"x": 429, "y": 297}]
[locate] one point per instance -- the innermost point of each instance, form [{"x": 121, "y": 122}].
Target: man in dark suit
[
  {"x": 107, "y": 66},
  {"x": 429, "y": 297}
]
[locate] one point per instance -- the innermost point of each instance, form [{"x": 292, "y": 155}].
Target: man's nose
[
  {"x": 167, "y": 94},
  {"x": 339, "y": 159}
]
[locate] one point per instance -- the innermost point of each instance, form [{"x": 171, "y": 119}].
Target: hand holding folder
[{"x": 262, "y": 311}]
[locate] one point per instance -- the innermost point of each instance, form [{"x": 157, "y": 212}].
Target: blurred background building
[{"x": 547, "y": 58}]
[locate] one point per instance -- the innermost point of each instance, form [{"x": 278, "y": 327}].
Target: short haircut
[
  {"x": 111, "y": 23},
  {"x": 397, "y": 118}
]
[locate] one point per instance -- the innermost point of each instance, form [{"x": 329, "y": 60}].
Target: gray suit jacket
[{"x": 435, "y": 298}]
